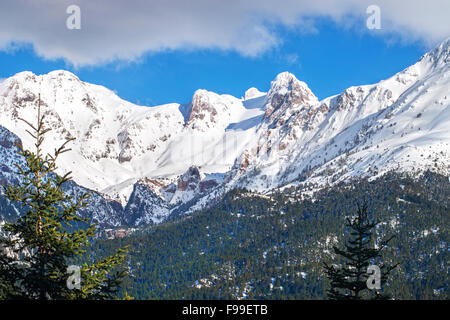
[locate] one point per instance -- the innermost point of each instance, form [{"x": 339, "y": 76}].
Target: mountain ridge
[{"x": 166, "y": 156}]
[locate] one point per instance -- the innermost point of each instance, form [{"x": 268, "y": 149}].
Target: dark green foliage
[
  {"x": 253, "y": 242},
  {"x": 349, "y": 280},
  {"x": 36, "y": 249}
]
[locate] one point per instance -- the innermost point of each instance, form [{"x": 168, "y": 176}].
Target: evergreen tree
[
  {"x": 37, "y": 249},
  {"x": 349, "y": 280}
]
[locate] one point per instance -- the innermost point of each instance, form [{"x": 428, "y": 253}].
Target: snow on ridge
[
  {"x": 253, "y": 93},
  {"x": 117, "y": 142},
  {"x": 400, "y": 123}
]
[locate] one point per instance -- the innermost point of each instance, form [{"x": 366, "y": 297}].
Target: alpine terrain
[{"x": 150, "y": 164}]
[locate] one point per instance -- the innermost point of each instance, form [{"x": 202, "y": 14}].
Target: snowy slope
[
  {"x": 163, "y": 159},
  {"x": 118, "y": 143}
]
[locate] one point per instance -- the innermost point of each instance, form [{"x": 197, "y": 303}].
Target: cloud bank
[{"x": 125, "y": 30}]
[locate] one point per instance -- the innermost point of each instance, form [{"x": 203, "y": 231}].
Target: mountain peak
[
  {"x": 202, "y": 106},
  {"x": 285, "y": 77},
  {"x": 287, "y": 82},
  {"x": 443, "y": 46},
  {"x": 287, "y": 91},
  {"x": 23, "y": 74},
  {"x": 253, "y": 93},
  {"x": 211, "y": 110},
  {"x": 55, "y": 74},
  {"x": 62, "y": 74},
  {"x": 439, "y": 56}
]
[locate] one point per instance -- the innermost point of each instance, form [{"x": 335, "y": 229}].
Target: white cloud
[
  {"x": 291, "y": 58},
  {"x": 124, "y": 30}
]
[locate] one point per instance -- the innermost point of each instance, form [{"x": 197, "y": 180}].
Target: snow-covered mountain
[
  {"x": 147, "y": 162},
  {"x": 400, "y": 123}
]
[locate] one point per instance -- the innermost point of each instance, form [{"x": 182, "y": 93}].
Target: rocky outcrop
[{"x": 287, "y": 95}]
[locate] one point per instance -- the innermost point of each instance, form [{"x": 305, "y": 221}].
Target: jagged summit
[
  {"x": 437, "y": 58},
  {"x": 253, "y": 93},
  {"x": 440, "y": 55},
  {"x": 284, "y": 78},
  {"x": 202, "y": 108},
  {"x": 60, "y": 75},
  {"x": 210, "y": 110},
  {"x": 287, "y": 94}
]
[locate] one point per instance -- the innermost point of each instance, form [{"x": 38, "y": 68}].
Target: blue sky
[{"x": 329, "y": 59}]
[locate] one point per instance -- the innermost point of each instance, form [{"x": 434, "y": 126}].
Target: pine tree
[
  {"x": 37, "y": 249},
  {"x": 349, "y": 280}
]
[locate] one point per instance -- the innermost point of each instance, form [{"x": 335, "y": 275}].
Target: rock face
[
  {"x": 190, "y": 180},
  {"x": 287, "y": 96},
  {"x": 212, "y": 111},
  {"x": 145, "y": 163},
  {"x": 203, "y": 110},
  {"x": 145, "y": 207}
]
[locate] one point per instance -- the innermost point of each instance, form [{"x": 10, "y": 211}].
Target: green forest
[{"x": 251, "y": 246}]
